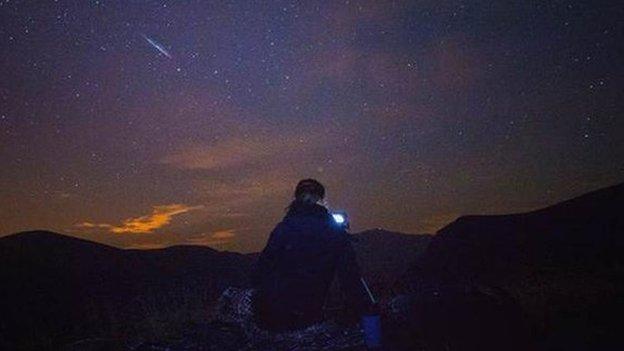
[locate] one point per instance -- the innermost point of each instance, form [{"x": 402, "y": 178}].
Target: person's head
[{"x": 309, "y": 191}]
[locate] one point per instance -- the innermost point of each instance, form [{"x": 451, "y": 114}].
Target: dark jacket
[{"x": 297, "y": 266}]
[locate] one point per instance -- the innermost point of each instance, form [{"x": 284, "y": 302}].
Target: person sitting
[{"x": 295, "y": 270}]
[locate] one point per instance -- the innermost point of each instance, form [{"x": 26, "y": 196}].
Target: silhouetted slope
[
  {"x": 583, "y": 231},
  {"x": 384, "y": 256},
  {"x": 57, "y": 287},
  {"x": 563, "y": 264}
]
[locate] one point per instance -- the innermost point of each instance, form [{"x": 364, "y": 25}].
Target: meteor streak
[{"x": 157, "y": 46}]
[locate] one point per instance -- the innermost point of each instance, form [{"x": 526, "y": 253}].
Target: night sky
[{"x": 152, "y": 123}]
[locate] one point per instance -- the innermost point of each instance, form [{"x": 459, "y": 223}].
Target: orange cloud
[
  {"x": 161, "y": 216},
  {"x": 223, "y": 234},
  {"x": 92, "y": 225},
  {"x": 219, "y": 237},
  {"x": 147, "y": 246}
]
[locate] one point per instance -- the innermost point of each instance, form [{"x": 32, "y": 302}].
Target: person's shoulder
[
  {"x": 284, "y": 224},
  {"x": 281, "y": 227},
  {"x": 336, "y": 229}
]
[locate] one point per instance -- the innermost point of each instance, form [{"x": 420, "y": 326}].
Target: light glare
[{"x": 338, "y": 218}]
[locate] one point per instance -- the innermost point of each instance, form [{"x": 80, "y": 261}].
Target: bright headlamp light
[{"x": 339, "y": 218}]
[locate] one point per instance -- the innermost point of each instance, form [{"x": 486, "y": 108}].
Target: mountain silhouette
[
  {"x": 62, "y": 287},
  {"x": 562, "y": 265},
  {"x": 546, "y": 279},
  {"x": 384, "y": 256},
  {"x": 582, "y": 232}
]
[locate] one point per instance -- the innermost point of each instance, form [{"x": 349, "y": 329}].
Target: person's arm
[{"x": 266, "y": 261}]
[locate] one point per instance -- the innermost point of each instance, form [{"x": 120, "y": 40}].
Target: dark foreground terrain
[
  {"x": 562, "y": 265},
  {"x": 544, "y": 280},
  {"x": 59, "y": 290}
]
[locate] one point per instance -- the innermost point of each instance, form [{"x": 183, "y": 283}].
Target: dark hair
[{"x": 309, "y": 186}]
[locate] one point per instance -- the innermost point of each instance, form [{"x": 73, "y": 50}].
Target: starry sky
[{"x": 143, "y": 124}]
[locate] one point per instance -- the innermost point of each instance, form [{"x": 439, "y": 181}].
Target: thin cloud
[
  {"x": 235, "y": 152},
  {"x": 161, "y": 216},
  {"x": 216, "y": 238},
  {"x": 224, "y": 234},
  {"x": 147, "y": 246},
  {"x": 228, "y": 153}
]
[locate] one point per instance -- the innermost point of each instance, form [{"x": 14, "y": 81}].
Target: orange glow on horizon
[{"x": 161, "y": 216}]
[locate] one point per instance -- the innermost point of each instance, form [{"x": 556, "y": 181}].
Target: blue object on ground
[{"x": 371, "y": 325}]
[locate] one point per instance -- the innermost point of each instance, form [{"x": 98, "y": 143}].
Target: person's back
[{"x": 296, "y": 269}]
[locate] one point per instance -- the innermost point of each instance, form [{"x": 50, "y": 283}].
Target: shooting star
[{"x": 157, "y": 46}]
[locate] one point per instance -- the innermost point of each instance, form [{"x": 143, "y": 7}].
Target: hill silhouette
[
  {"x": 562, "y": 264},
  {"x": 586, "y": 230},
  {"x": 384, "y": 256},
  {"x": 58, "y": 288},
  {"x": 546, "y": 279}
]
